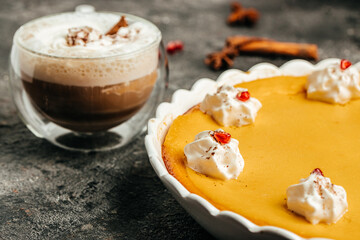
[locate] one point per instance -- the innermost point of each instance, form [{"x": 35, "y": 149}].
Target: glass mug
[{"x": 88, "y": 102}]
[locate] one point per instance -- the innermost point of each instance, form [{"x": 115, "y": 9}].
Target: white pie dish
[{"x": 221, "y": 224}]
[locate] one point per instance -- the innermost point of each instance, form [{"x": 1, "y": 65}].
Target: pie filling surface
[{"x": 290, "y": 137}]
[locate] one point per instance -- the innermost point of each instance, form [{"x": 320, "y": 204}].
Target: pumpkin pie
[{"x": 292, "y": 135}]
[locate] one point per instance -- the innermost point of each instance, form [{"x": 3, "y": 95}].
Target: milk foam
[{"x": 91, "y": 65}]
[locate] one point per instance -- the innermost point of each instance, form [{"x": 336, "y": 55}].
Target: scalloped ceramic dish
[{"x": 221, "y": 224}]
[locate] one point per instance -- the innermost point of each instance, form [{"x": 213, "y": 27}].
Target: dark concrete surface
[{"x": 50, "y": 193}]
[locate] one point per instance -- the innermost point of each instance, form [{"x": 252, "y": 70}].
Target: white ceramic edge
[{"x": 203, "y": 211}]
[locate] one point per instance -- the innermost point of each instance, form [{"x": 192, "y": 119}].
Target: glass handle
[{"x": 164, "y": 63}]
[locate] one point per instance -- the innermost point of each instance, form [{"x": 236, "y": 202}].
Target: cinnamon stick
[
  {"x": 263, "y": 46},
  {"x": 122, "y": 23},
  {"x": 236, "y": 45}
]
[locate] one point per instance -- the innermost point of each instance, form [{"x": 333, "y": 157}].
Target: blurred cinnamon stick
[{"x": 121, "y": 23}]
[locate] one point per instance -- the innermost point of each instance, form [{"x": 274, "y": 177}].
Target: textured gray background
[{"x": 49, "y": 193}]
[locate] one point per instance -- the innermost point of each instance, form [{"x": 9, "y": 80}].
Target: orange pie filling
[{"x": 291, "y": 136}]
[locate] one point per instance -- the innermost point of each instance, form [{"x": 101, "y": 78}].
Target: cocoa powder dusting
[{"x": 81, "y": 36}]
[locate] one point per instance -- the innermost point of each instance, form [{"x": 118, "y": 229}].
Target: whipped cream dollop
[
  {"x": 231, "y": 106},
  {"x": 317, "y": 199},
  {"x": 334, "y": 84},
  {"x": 216, "y": 154},
  {"x": 48, "y": 35}
]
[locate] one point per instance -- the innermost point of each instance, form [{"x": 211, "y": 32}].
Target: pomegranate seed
[
  {"x": 317, "y": 171},
  {"x": 174, "y": 46},
  {"x": 179, "y": 45},
  {"x": 171, "y": 48},
  {"x": 243, "y": 96},
  {"x": 222, "y": 137},
  {"x": 344, "y": 64}
]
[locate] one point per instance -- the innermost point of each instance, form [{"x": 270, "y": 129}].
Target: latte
[{"x": 94, "y": 85}]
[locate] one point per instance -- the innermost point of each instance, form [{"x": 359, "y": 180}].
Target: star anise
[
  {"x": 221, "y": 60},
  {"x": 242, "y": 16}
]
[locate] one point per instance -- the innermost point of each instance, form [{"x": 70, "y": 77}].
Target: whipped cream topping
[
  {"x": 317, "y": 199},
  {"x": 211, "y": 157},
  {"x": 333, "y": 84},
  {"x": 227, "y": 109},
  {"x": 47, "y": 35}
]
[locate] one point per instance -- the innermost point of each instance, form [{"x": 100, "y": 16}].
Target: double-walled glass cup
[{"x": 87, "y": 103}]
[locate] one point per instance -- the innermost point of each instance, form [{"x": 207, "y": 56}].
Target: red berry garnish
[
  {"x": 174, "y": 46},
  {"x": 317, "y": 171},
  {"x": 243, "y": 96},
  {"x": 222, "y": 137},
  {"x": 344, "y": 64},
  {"x": 179, "y": 45}
]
